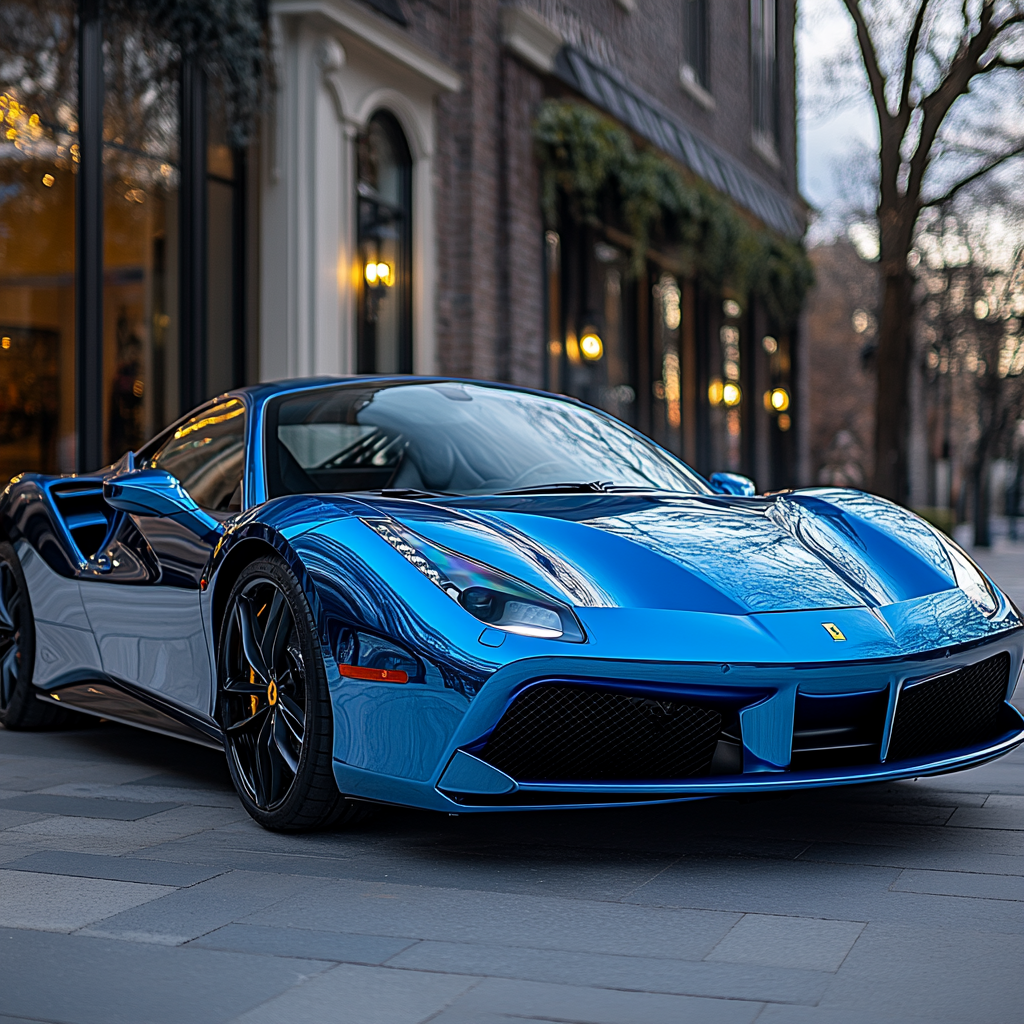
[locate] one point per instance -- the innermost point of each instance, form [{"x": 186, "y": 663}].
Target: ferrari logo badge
[
  {"x": 833, "y": 631},
  {"x": 272, "y": 691}
]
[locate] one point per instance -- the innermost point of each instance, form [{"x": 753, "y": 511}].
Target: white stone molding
[
  {"x": 530, "y": 37},
  {"x": 337, "y": 65},
  {"x": 374, "y": 30},
  {"x": 330, "y": 58}
]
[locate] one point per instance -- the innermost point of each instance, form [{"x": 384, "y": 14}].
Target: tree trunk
[
  {"x": 979, "y": 483},
  {"x": 892, "y": 366}
]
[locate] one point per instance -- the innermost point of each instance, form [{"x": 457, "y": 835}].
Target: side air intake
[
  {"x": 957, "y": 710},
  {"x": 559, "y": 733}
]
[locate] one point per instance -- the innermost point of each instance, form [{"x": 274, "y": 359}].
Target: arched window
[{"x": 385, "y": 234}]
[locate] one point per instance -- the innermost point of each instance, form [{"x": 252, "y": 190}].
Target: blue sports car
[{"x": 466, "y": 597}]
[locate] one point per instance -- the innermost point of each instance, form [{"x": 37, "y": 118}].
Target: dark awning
[{"x": 647, "y": 117}]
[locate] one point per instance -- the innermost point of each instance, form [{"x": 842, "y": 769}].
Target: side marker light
[{"x": 377, "y": 675}]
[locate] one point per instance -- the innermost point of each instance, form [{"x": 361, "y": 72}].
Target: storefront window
[
  {"x": 38, "y": 150},
  {"x": 223, "y": 191},
  {"x": 140, "y": 234},
  {"x": 667, "y": 318},
  {"x": 725, "y": 392},
  {"x": 385, "y": 223}
]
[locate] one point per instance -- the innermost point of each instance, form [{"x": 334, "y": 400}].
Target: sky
[{"x": 829, "y": 131}]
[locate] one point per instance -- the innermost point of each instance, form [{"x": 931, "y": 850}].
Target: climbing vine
[{"x": 590, "y": 160}]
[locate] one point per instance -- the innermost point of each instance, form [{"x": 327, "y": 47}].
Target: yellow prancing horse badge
[
  {"x": 833, "y": 631},
  {"x": 272, "y": 692}
]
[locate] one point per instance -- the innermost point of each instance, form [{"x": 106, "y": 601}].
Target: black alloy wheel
[
  {"x": 273, "y": 704},
  {"x": 10, "y": 633},
  {"x": 19, "y": 708}
]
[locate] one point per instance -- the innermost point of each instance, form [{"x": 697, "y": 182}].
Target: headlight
[
  {"x": 490, "y": 595},
  {"x": 970, "y": 579}
]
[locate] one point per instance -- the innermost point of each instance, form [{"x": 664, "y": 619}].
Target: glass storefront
[
  {"x": 45, "y": 345},
  {"x": 141, "y": 128},
  {"x": 38, "y": 153},
  {"x": 657, "y": 350}
]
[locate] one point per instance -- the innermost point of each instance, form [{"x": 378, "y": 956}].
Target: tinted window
[
  {"x": 207, "y": 454},
  {"x": 455, "y": 438}
]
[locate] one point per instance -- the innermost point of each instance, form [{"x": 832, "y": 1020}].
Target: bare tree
[
  {"x": 945, "y": 82},
  {"x": 972, "y": 285}
]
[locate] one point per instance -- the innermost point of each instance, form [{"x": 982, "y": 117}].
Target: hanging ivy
[
  {"x": 591, "y": 160},
  {"x": 225, "y": 37}
]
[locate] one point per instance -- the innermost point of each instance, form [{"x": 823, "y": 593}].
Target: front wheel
[
  {"x": 273, "y": 704},
  {"x": 19, "y": 708}
]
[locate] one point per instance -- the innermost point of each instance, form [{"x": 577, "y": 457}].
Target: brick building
[{"x": 390, "y": 217}]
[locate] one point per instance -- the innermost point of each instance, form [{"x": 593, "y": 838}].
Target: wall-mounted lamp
[
  {"x": 780, "y": 399},
  {"x": 379, "y": 274},
  {"x": 731, "y": 394},
  {"x": 591, "y": 346}
]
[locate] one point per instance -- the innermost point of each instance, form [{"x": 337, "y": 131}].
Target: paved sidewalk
[{"x": 134, "y": 889}]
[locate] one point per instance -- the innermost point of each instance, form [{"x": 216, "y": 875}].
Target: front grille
[
  {"x": 573, "y": 733},
  {"x": 961, "y": 709}
]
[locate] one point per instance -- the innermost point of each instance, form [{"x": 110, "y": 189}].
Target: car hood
[{"x": 809, "y": 550}]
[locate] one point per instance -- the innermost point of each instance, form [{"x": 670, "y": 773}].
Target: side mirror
[
  {"x": 734, "y": 484},
  {"x": 155, "y": 492}
]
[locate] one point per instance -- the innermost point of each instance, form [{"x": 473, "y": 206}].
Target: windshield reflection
[{"x": 449, "y": 438}]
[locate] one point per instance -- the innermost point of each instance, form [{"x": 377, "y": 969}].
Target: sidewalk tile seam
[{"x": 608, "y": 988}]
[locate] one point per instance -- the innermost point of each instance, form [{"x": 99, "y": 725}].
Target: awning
[{"x": 647, "y": 117}]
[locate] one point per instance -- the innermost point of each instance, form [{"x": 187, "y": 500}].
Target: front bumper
[{"x": 765, "y": 697}]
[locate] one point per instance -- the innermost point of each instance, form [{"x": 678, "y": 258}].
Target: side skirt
[{"x": 127, "y": 705}]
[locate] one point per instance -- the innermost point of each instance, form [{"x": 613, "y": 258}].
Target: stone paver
[{"x": 126, "y": 859}]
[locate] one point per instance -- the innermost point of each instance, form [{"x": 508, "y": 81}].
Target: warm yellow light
[
  {"x": 48, "y": 180},
  {"x": 780, "y": 399},
  {"x": 591, "y": 346},
  {"x": 377, "y": 274},
  {"x": 731, "y": 394},
  {"x": 715, "y": 392},
  {"x": 6, "y": 342}
]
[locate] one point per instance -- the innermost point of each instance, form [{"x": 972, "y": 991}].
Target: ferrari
[{"x": 466, "y": 597}]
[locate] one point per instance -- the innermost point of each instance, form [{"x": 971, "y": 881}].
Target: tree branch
[
  {"x": 908, "y": 63},
  {"x": 867, "y": 49},
  {"x": 955, "y": 83},
  {"x": 974, "y": 176},
  {"x": 1002, "y": 62}
]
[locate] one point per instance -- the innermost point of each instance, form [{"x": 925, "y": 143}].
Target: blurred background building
[{"x": 387, "y": 213}]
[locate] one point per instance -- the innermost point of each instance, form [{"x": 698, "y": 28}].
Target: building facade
[{"x": 393, "y": 215}]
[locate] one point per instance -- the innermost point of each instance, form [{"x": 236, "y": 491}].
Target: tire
[
  {"x": 274, "y": 707},
  {"x": 19, "y": 708}
]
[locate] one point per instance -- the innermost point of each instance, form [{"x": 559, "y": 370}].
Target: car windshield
[{"x": 453, "y": 438}]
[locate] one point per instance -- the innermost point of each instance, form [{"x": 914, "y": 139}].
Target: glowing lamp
[
  {"x": 780, "y": 399},
  {"x": 378, "y": 274},
  {"x": 591, "y": 346},
  {"x": 731, "y": 394},
  {"x": 715, "y": 392}
]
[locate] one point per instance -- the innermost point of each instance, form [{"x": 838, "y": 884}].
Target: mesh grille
[
  {"x": 568, "y": 733},
  {"x": 958, "y": 710}
]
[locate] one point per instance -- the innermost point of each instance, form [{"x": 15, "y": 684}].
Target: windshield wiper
[{"x": 596, "y": 486}]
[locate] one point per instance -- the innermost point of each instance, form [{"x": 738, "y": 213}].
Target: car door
[{"x": 145, "y": 610}]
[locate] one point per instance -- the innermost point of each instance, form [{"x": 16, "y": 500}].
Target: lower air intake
[
  {"x": 571, "y": 733},
  {"x": 961, "y": 709}
]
